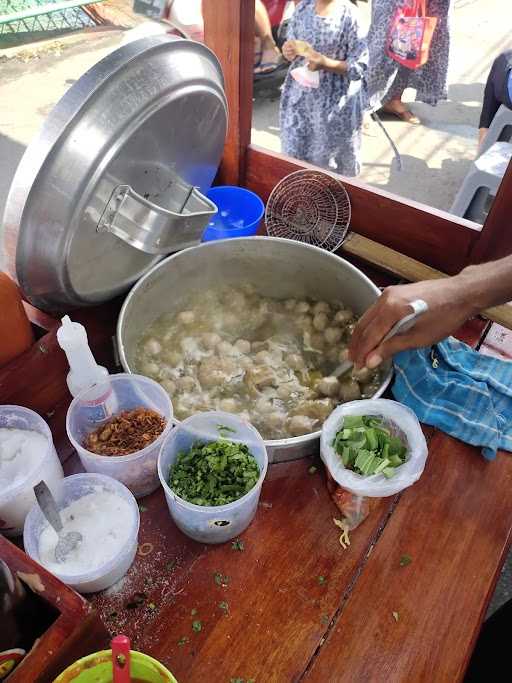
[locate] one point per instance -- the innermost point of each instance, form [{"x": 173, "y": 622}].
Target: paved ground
[{"x": 435, "y": 156}]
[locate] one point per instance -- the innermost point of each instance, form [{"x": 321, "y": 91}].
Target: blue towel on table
[{"x": 459, "y": 391}]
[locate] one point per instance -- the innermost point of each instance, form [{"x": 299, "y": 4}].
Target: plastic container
[
  {"x": 17, "y": 499},
  {"x": 402, "y": 422},
  {"x": 97, "y": 668},
  {"x": 74, "y": 488},
  {"x": 137, "y": 471},
  {"x": 239, "y": 213},
  {"x": 215, "y": 524}
]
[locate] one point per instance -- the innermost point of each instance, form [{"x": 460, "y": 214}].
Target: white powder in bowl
[
  {"x": 103, "y": 519},
  {"x": 21, "y": 451}
]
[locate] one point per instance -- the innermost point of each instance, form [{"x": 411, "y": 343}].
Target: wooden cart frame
[{"x": 295, "y": 607}]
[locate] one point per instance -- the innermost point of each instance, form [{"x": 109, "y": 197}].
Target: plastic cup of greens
[
  {"x": 97, "y": 668},
  {"x": 206, "y": 522}
]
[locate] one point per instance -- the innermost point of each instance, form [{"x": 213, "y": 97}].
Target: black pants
[
  {"x": 491, "y": 658},
  {"x": 496, "y": 89}
]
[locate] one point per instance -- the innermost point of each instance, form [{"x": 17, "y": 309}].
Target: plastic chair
[
  {"x": 500, "y": 129},
  {"x": 482, "y": 182}
]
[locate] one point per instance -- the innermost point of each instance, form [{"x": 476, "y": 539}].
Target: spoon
[
  {"x": 419, "y": 307},
  {"x": 121, "y": 659},
  {"x": 67, "y": 541}
]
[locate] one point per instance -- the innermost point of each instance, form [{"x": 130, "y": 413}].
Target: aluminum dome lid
[{"x": 114, "y": 180}]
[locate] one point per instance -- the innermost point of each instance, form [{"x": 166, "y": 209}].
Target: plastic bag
[
  {"x": 410, "y": 34},
  {"x": 402, "y": 422},
  {"x": 305, "y": 77}
]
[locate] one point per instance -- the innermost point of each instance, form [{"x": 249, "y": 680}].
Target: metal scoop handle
[
  {"x": 418, "y": 306},
  {"x": 48, "y": 505}
]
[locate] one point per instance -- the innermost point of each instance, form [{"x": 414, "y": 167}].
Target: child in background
[{"x": 323, "y": 125}]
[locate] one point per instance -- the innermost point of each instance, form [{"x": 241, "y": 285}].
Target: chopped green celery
[
  {"x": 372, "y": 439},
  {"x": 368, "y": 463},
  {"x": 384, "y": 462},
  {"x": 395, "y": 445},
  {"x": 361, "y": 458},
  {"x": 353, "y": 421},
  {"x": 345, "y": 457},
  {"x": 395, "y": 460},
  {"x": 367, "y": 447}
]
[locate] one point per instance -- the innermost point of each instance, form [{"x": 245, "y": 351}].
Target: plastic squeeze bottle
[{"x": 84, "y": 372}]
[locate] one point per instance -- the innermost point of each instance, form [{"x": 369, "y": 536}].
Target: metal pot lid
[{"x": 115, "y": 178}]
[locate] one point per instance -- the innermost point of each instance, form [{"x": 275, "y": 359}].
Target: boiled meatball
[
  {"x": 263, "y": 358},
  {"x": 229, "y": 405},
  {"x": 303, "y": 307},
  {"x": 343, "y": 317},
  {"x": 186, "y": 384},
  {"x": 215, "y": 371},
  {"x": 321, "y": 307},
  {"x": 320, "y": 322},
  {"x": 328, "y": 386},
  {"x": 150, "y": 368},
  {"x": 243, "y": 346},
  {"x": 224, "y": 348},
  {"x": 172, "y": 357},
  {"x": 186, "y": 317},
  {"x": 209, "y": 340},
  {"x": 300, "y": 424},
  {"x": 260, "y": 376},
  {"x": 350, "y": 391},
  {"x": 361, "y": 375},
  {"x": 305, "y": 323},
  {"x": 169, "y": 386},
  {"x": 295, "y": 361},
  {"x": 152, "y": 347},
  {"x": 333, "y": 335}
]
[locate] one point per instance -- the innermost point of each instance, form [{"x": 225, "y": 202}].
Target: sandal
[{"x": 406, "y": 116}]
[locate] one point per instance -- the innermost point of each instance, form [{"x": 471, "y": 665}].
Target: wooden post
[{"x": 229, "y": 32}]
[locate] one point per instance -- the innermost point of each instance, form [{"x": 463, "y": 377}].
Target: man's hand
[
  {"x": 289, "y": 51},
  {"x": 449, "y": 307}
]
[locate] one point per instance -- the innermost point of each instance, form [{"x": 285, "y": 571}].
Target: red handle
[{"x": 121, "y": 659}]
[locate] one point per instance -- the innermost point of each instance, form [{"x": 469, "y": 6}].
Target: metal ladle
[{"x": 67, "y": 541}]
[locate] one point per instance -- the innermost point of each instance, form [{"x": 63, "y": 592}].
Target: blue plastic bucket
[{"x": 239, "y": 213}]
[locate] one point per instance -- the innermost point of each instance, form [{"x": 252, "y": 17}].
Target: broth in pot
[{"x": 267, "y": 360}]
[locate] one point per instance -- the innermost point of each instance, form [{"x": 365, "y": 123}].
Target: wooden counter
[{"x": 293, "y": 605}]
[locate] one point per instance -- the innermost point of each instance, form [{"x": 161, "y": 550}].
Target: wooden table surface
[{"x": 293, "y": 605}]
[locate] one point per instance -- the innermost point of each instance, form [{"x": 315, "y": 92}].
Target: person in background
[
  {"x": 323, "y": 125},
  {"x": 498, "y": 91},
  {"x": 267, "y": 55},
  {"x": 388, "y": 79}
]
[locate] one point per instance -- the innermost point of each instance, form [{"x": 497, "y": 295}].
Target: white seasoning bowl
[
  {"x": 17, "y": 498},
  {"x": 92, "y": 578}
]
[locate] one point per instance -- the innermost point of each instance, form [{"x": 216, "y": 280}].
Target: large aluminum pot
[{"x": 276, "y": 267}]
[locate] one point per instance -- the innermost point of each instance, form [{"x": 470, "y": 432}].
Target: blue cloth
[{"x": 459, "y": 391}]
